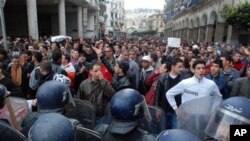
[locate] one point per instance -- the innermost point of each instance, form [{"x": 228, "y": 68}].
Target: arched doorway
[
  {"x": 202, "y": 29},
  {"x": 196, "y": 29},
  {"x": 191, "y": 30},
  {"x": 211, "y": 26},
  {"x": 186, "y": 29},
  {"x": 182, "y": 29}
]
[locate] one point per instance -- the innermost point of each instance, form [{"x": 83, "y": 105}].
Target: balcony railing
[{"x": 90, "y": 3}]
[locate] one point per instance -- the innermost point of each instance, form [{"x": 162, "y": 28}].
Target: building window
[
  {"x": 112, "y": 15},
  {"x": 112, "y": 24},
  {"x": 116, "y": 15}
]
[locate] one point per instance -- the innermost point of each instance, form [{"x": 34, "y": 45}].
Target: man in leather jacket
[{"x": 96, "y": 90}]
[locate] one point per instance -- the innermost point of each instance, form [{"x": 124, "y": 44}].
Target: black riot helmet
[
  {"x": 176, "y": 135},
  {"x": 52, "y": 127},
  {"x": 126, "y": 107},
  {"x": 52, "y": 96},
  {"x": 3, "y": 94}
]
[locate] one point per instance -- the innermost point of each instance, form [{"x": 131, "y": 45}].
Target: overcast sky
[{"x": 152, "y": 4}]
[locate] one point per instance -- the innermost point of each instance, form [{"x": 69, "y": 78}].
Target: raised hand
[
  {"x": 246, "y": 50},
  {"x": 97, "y": 50}
]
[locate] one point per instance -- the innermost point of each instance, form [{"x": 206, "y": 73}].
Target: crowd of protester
[{"x": 99, "y": 68}]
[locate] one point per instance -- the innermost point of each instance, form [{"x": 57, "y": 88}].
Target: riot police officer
[
  {"x": 52, "y": 127},
  {"x": 52, "y": 96},
  {"x": 7, "y": 132},
  {"x": 126, "y": 107},
  {"x": 66, "y": 81},
  {"x": 176, "y": 135},
  {"x": 232, "y": 111},
  {"x": 3, "y": 94}
]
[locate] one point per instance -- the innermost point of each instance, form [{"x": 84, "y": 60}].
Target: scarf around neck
[{"x": 16, "y": 74}]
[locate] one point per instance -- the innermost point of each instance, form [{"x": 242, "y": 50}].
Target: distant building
[
  {"x": 102, "y": 18},
  {"x": 136, "y": 20},
  {"x": 115, "y": 18},
  {"x": 200, "y": 20},
  {"x": 155, "y": 22}
]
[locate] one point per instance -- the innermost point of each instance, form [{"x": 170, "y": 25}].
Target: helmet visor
[
  {"x": 143, "y": 105},
  {"x": 219, "y": 124}
]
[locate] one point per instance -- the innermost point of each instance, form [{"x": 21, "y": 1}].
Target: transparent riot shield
[
  {"x": 156, "y": 124},
  {"x": 84, "y": 134},
  {"x": 84, "y": 112},
  {"x": 20, "y": 108},
  {"x": 8, "y": 133},
  {"x": 194, "y": 115}
]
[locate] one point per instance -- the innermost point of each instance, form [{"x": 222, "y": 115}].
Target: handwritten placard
[{"x": 174, "y": 42}]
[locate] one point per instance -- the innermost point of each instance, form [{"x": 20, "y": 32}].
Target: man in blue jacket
[{"x": 218, "y": 77}]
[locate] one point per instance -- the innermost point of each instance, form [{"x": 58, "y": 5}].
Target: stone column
[
  {"x": 209, "y": 33},
  {"x": 219, "y": 32},
  {"x": 62, "y": 17},
  {"x": 85, "y": 19},
  {"x": 180, "y": 33},
  {"x": 183, "y": 34},
  {"x": 172, "y": 32},
  {"x": 175, "y": 33},
  {"x": 202, "y": 33},
  {"x": 232, "y": 34},
  {"x": 191, "y": 34},
  {"x": 188, "y": 31},
  {"x": 167, "y": 32},
  {"x": 80, "y": 21},
  {"x": 195, "y": 34},
  {"x": 32, "y": 18},
  {"x": 199, "y": 32}
]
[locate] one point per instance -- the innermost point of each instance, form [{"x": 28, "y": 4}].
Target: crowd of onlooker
[{"x": 99, "y": 68}]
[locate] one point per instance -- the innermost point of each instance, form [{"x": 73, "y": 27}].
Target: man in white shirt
[{"x": 196, "y": 87}]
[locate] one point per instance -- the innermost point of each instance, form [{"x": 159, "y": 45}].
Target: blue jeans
[{"x": 171, "y": 120}]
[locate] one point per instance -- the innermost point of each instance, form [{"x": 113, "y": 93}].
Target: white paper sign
[
  {"x": 174, "y": 42},
  {"x": 54, "y": 38}
]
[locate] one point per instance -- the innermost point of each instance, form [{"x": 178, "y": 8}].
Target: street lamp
[{"x": 2, "y": 3}]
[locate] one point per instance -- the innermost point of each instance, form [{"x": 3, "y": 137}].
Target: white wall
[{"x": 90, "y": 25}]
